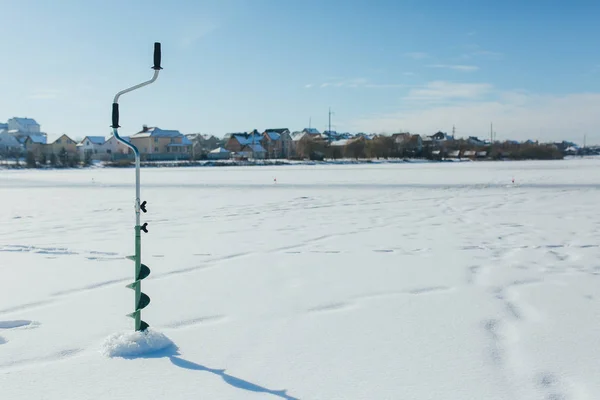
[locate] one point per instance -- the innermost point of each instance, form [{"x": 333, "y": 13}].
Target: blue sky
[{"x": 533, "y": 68}]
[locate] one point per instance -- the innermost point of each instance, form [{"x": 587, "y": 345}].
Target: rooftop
[
  {"x": 25, "y": 121},
  {"x": 95, "y": 139},
  {"x": 156, "y": 132}
]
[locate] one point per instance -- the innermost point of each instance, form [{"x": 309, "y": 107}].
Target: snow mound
[{"x": 133, "y": 344}]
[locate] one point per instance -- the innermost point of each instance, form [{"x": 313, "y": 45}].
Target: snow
[
  {"x": 94, "y": 139},
  {"x": 383, "y": 281},
  {"x": 273, "y": 135},
  {"x": 157, "y": 132},
  {"x": 219, "y": 150},
  {"x": 135, "y": 344}
]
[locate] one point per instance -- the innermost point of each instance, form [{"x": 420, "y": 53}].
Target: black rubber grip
[
  {"x": 157, "y": 56},
  {"x": 115, "y": 115}
]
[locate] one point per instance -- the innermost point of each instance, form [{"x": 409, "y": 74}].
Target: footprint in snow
[
  {"x": 431, "y": 289},
  {"x": 330, "y": 307},
  {"x": 17, "y": 324}
]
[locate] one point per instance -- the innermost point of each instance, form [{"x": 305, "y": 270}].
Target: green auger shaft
[{"x": 141, "y": 271}]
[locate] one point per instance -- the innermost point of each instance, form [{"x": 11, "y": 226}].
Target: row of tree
[
  {"x": 358, "y": 148},
  {"x": 63, "y": 159},
  {"x": 386, "y": 147}
]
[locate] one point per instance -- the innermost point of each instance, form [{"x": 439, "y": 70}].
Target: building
[
  {"x": 202, "y": 144},
  {"x": 92, "y": 147},
  {"x": 219, "y": 153},
  {"x": 255, "y": 151},
  {"x": 441, "y": 137},
  {"x": 24, "y": 125},
  {"x": 311, "y": 131},
  {"x": 475, "y": 141},
  {"x": 406, "y": 144},
  {"x": 9, "y": 143},
  {"x": 61, "y": 145},
  {"x": 35, "y": 144},
  {"x": 277, "y": 142},
  {"x": 161, "y": 143},
  {"x": 238, "y": 141},
  {"x": 115, "y": 149}
]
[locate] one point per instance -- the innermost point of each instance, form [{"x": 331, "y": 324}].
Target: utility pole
[
  {"x": 329, "y": 120},
  {"x": 309, "y": 122},
  {"x": 454, "y": 131},
  {"x": 492, "y": 132},
  {"x": 584, "y": 138}
]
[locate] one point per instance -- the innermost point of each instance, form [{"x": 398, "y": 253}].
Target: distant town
[{"x": 24, "y": 144}]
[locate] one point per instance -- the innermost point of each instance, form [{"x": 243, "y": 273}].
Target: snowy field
[{"x": 425, "y": 281}]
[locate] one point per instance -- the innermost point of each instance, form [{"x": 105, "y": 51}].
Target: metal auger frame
[{"x": 141, "y": 270}]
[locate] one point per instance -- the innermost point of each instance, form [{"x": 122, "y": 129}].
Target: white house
[
  {"x": 219, "y": 154},
  {"x": 113, "y": 146},
  {"x": 23, "y": 125},
  {"x": 92, "y": 146}
]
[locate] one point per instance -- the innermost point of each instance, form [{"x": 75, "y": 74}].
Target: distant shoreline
[{"x": 262, "y": 163}]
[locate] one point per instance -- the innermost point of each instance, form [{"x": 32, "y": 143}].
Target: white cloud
[
  {"x": 384, "y": 85},
  {"x": 465, "y": 68},
  {"x": 417, "y": 55},
  {"x": 308, "y": 86},
  {"x": 516, "y": 115},
  {"x": 360, "y": 83},
  {"x": 441, "y": 90}
]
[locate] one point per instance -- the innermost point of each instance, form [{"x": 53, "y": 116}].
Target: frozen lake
[{"x": 411, "y": 281}]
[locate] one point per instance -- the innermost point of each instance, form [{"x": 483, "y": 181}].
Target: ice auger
[{"x": 141, "y": 270}]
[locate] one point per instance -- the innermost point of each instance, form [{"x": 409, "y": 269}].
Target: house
[
  {"x": 92, "y": 147},
  {"x": 278, "y": 142},
  {"x": 179, "y": 145},
  {"x": 414, "y": 144},
  {"x": 61, "y": 145},
  {"x": 35, "y": 144},
  {"x": 23, "y": 125},
  {"x": 469, "y": 154},
  {"x": 237, "y": 141},
  {"x": 441, "y": 137},
  {"x": 272, "y": 144},
  {"x": 113, "y": 148},
  {"x": 571, "y": 151},
  {"x": 219, "y": 153},
  {"x": 203, "y": 143},
  {"x": 407, "y": 144},
  {"x": 307, "y": 145},
  {"x": 255, "y": 151},
  {"x": 311, "y": 131},
  {"x": 166, "y": 144},
  {"x": 9, "y": 143},
  {"x": 475, "y": 141}
]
